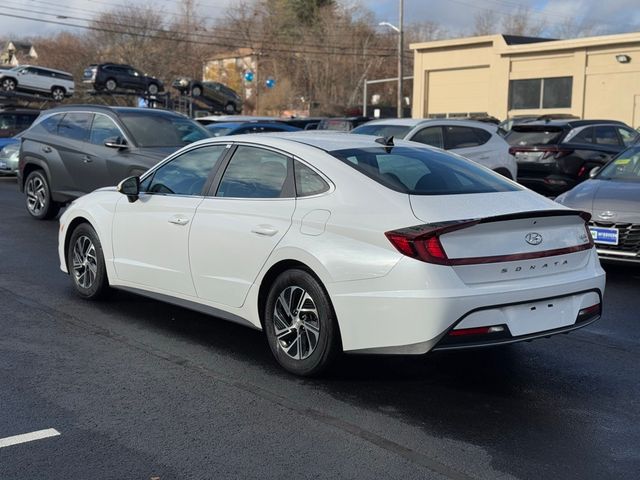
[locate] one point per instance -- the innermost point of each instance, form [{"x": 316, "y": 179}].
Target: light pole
[{"x": 399, "y": 30}]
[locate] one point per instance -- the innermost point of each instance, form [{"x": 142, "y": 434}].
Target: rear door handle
[
  {"x": 87, "y": 159},
  {"x": 264, "y": 230},
  {"x": 46, "y": 149},
  {"x": 179, "y": 220}
]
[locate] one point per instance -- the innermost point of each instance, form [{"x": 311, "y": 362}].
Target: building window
[{"x": 535, "y": 93}]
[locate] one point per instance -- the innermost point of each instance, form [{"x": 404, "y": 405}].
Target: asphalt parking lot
[{"x": 139, "y": 389}]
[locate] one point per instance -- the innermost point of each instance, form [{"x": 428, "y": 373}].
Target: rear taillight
[{"x": 423, "y": 242}]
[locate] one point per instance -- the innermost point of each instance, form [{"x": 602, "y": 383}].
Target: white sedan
[{"x": 339, "y": 242}]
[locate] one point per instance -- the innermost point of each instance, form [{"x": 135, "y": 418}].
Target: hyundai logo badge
[
  {"x": 533, "y": 238},
  {"x": 607, "y": 214}
]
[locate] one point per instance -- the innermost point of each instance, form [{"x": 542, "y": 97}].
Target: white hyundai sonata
[{"x": 338, "y": 242}]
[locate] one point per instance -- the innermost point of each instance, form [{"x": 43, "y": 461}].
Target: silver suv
[{"x": 32, "y": 79}]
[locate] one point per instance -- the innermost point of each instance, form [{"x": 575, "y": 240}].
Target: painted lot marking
[{"x": 28, "y": 437}]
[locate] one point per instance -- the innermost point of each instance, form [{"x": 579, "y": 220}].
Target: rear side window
[
  {"x": 430, "y": 136},
  {"x": 419, "y": 171},
  {"x": 464, "y": 137},
  {"x": 308, "y": 182},
  {"x": 606, "y": 135},
  {"x": 583, "y": 136},
  {"x": 75, "y": 126},
  {"x": 50, "y": 124},
  {"x": 256, "y": 173},
  {"x": 398, "y": 131}
]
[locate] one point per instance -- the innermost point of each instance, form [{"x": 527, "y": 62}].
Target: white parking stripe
[{"x": 28, "y": 437}]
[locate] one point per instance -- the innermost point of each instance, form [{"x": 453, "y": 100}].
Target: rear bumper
[{"x": 410, "y": 310}]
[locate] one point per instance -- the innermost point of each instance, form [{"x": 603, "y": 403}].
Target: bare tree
[
  {"x": 521, "y": 22},
  {"x": 486, "y": 23}
]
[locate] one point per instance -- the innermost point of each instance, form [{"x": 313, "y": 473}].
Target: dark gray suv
[{"x": 70, "y": 151}]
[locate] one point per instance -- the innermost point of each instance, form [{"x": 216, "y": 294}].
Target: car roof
[
  {"x": 35, "y": 111},
  {"x": 236, "y": 118},
  {"x": 116, "y": 110},
  {"x": 328, "y": 141},
  {"x": 42, "y": 68},
  {"x": 571, "y": 123},
  {"x": 414, "y": 122}
]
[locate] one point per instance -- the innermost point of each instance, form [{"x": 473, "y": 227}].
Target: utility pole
[{"x": 400, "y": 58}]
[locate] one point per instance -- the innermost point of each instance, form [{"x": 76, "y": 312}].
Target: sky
[{"x": 455, "y": 16}]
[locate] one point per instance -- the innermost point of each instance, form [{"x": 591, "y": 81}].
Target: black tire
[
  {"x": 111, "y": 84},
  {"x": 316, "y": 334},
  {"x": 85, "y": 263},
  {"x": 196, "y": 91},
  {"x": 9, "y": 84},
  {"x": 230, "y": 107},
  {"x": 38, "y": 196},
  {"x": 58, "y": 94},
  {"x": 153, "y": 89}
]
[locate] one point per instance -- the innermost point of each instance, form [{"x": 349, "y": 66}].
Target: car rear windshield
[
  {"x": 14, "y": 123},
  {"x": 625, "y": 167},
  {"x": 162, "y": 130},
  {"x": 420, "y": 171},
  {"x": 521, "y": 135},
  {"x": 218, "y": 130},
  {"x": 398, "y": 131}
]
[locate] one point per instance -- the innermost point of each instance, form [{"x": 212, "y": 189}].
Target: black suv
[
  {"x": 70, "y": 151},
  {"x": 115, "y": 76},
  {"x": 555, "y": 155},
  {"x": 217, "y": 95}
]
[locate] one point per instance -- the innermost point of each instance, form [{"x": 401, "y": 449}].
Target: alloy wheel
[
  {"x": 36, "y": 195},
  {"x": 57, "y": 94},
  {"x": 8, "y": 85},
  {"x": 85, "y": 263},
  {"x": 296, "y": 322}
]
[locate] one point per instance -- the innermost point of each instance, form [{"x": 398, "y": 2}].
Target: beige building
[{"x": 505, "y": 76}]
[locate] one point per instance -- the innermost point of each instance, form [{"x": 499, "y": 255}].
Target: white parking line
[{"x": 28, "y": 437}]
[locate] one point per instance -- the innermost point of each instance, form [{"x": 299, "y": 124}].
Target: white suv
[
  {"x": 477, "y": 141},
  {"x": 32, "y": 79}
]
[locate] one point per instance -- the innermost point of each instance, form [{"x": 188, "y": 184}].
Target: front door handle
[
  {"x": 264, "y": 230},
  {"x": 178, "y": 220},
  {"x": 87, "y": 159},
  {"x": 46, "y": 149}
]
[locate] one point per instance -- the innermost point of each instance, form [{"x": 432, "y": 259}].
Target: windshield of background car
[
  {"x": 624, "y": 167},
  {"x": 522, "y": 135},
  {"x": 162, "y": 130},
  {"x": 218, "y": 130},
  {"x": 398, "y": 131},
  {"x": 423, "y": 172}
]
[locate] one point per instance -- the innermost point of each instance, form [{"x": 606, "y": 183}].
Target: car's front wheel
[
  {"x": 40, "y": 205},
  {"x": 230, "y": 108},
  {"x": 57, "y": 93},
  {"x": 153, "y": 89},
  {"x": 300, "y": 324},
  {"x": 9, "y": 84},
  {"x": 85, "y": 263},
  {"x": 196, "y": 91}
]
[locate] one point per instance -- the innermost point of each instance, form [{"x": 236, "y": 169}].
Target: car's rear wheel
[
  {"x": 9, "y": 84},
  {"x": 153, "y": 89},
  {"x": 300, "y": 324},
  {"x": 230, "y": 107},
  {"x": 196, "y": 91},
  {"x": 57, "y": 93},
  {"x": 38, "y": 196},
  {"x": 85, "y": 262},
  {"x": 111, "y": 84}
]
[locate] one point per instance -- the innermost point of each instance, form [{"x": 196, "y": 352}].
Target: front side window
[
  {"x": 429, "y": 136},
  {"x": 418, "y": 171},
  {"x": 308, "y": 182},
  {"x": 185, "y": 174},
  {"x": 625, "y": 167},
  {"x": 75, "y": 126},
  {"x": 102, "y": 129},
  {"x": 582, "y": 136},
  {"x": 256, "y": 173}
]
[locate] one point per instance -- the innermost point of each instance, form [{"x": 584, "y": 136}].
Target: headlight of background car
[{"x": 10, "y": 152}]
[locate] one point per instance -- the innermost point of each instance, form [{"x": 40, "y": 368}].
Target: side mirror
[
  {"x": 116, "y": 142},
  {"x": 130, "y": 187},
  {"x": 593, "y": 172}
]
